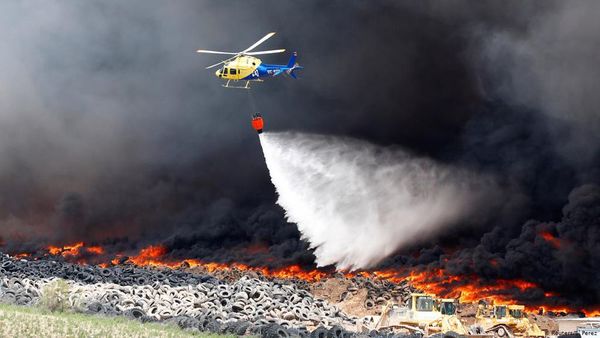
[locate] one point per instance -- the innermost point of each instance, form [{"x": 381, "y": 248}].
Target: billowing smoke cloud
[
  {"x": 357, "y": 203},
  {"x": 111, "y": 131},
  {"x": 553, "y": 69},
  {"x": 561, "y": 258}
]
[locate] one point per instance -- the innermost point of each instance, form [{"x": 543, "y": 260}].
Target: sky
[{"x": 112, "y": 131}]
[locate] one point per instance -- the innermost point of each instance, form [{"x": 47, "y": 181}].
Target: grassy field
[{"x": 22, "y": 321}]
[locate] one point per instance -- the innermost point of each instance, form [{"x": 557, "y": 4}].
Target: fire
[
  {"x": 468, "y": 289},
  {"x": 74, "y": 250},
  {"x": 71, "y": 250},
  {"x": 394, "y": 276},
  {"x": 150, "y": 256},
  {"x": 548, "y": 237},
  {"x": 595, "y": 312},
  {"x": 97, "y": 250},
  {"x": 592, "y": 313},
  {"x": 295, "y": 271},
  {"x": 436, "y": 281},
  {"x": 154, "y": 256}
]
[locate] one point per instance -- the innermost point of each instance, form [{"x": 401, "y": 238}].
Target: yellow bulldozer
[
  {"x": 505, "y": 321},
  {"x": 424, "y": 314}
]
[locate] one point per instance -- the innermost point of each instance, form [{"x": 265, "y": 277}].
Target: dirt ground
[{"x": 332, "y": 289}]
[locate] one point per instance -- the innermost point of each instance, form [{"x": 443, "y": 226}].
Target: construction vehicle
[
  {"x": 423, "y": 314},
  {"x": 448, "y": 324},
  {"x": 505, "y": 321}
]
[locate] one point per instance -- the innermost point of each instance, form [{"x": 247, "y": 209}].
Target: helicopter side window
[
  {"x": 233, "y": 71},
  {"x": 225, "y": 71}
]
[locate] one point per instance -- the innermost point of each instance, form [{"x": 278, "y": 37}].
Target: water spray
[{"x": 357, "y": 203}]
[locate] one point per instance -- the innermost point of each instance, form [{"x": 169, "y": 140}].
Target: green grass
[{"x": 25, "y": 321}]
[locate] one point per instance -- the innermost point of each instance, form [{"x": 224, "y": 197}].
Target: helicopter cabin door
[{"x": 234, "y": 73}]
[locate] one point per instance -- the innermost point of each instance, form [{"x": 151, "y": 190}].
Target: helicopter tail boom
[
  {"x": 293, "y": 65},
  {"x": 292, "y": 61}
]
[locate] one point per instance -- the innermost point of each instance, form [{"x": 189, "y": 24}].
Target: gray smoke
[
  {"x": 553, "y": 68},
  {"x": 357, "y": 203}
]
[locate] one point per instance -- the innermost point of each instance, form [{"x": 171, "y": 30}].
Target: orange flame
[
  {"x": 74, "y": 250},
  {"x": 594, "y": 312},
  {"x": 468, "y": 289},
  {"x": 97, "y": 250},
  {"x": 154, "y": 256},
  {"x": 67, "y": 250},
  {"x": 435, "y": 281},
  {"x": 150, "y": 256},
  {"x": 548, "y": 237}
]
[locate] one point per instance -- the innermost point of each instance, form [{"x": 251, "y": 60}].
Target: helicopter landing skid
[{"x": 247, "y": 86}]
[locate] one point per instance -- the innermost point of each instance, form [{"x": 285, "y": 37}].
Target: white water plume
[{"x": 357, "y": 203}]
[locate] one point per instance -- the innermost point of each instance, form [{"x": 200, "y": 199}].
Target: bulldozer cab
[
  {"x": 507, "y": 321},
  {"x": 500, "y": 311},
  {"x": 423, "y": 314},
  {"x": 421, "y": 302},
  {"x": 447, "y": 307},
  {"x": 516, "y": 311}
]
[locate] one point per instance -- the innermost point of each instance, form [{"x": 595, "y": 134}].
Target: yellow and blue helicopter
[{"x": 243, "y": 66}]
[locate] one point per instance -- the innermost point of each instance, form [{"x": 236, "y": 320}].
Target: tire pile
[
  {"x": 257, "y": 306},
  {"x": 379, "y": 292}
]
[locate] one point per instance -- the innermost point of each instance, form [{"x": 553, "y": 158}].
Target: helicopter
[{"x": 243, "y": 66}]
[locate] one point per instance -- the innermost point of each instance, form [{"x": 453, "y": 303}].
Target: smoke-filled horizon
[{"x": 112, "y": 132}]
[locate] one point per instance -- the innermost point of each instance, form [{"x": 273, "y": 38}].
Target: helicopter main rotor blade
[
  {"x": 214, "y": 52},
  {"x": 264, "y": 38},
  {"x": 273, "y": 51},
  {"x": 216, "y": 64}
]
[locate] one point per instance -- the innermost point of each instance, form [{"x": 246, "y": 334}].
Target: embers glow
[
  {"x": 154, "y": 256},
  {"x": 436, "y": 281},
  {"x": 594, "y": 312},
  {"x": 468, "y": 288},
  {"x": 548, "y": 237},
  {"x": 74, "y": 250},
  {"x": 149, "y": 256}
]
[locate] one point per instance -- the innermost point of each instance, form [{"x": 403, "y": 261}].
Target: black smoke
[{"x": 112, "y": 132}]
